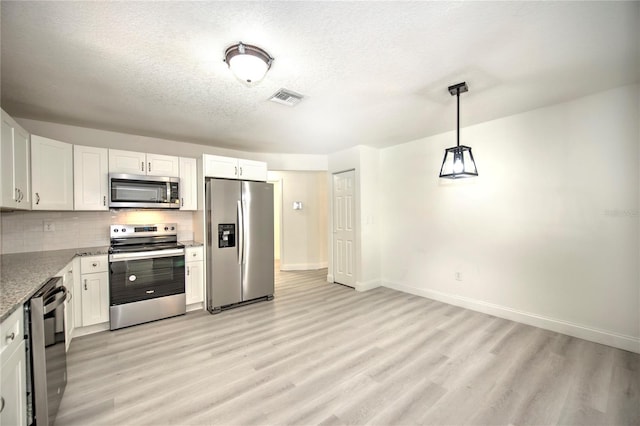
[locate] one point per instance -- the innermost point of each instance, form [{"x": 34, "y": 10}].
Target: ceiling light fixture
[
  {"x": 458, "y": 161},
  {"x": 249, "y": 63}
]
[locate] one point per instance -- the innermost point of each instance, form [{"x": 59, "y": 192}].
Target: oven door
[{"x": 134, "y": 277}]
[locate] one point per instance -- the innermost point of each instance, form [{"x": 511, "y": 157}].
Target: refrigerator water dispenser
[{"x": 226, "y": 235}]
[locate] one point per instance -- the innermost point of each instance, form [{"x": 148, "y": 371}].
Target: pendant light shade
[
  {"x": 458, "y": 161},
  {"x": 249, "y": 63}
]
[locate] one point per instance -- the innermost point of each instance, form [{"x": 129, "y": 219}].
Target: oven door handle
[{"x": 123, "y": 257}]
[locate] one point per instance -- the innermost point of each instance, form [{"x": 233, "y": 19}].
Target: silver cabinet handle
[
  {"x": 1, "y": 404},
  {"x": 182, "y": 201},
  {"x": 70, "y": 297},
  {"x": 10, "y": 337},
  {"x": 188, "y": 271},
  {"x": 142, "y": 166},
  {"x": 37, "y": 198},
  {"x": 240, "y": 171},
  {"x": 85, "y": 284},
  {"x": 149, "y": 169},
  {"x": 104, "y": 200},
  {"x": 17, "y": 194},
  {"x": 236, "y": 170}
]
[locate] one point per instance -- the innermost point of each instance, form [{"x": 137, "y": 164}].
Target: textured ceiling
[{"x": 373, "y": 73}]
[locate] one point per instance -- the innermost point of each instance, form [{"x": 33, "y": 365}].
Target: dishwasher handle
[{"x": 52, "y": 300}]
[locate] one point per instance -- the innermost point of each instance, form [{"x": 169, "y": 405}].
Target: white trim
[
  {"x": 621, "y": 341},
  {"x": 195, "y": 307},
  {"x": 367, "y": 285},
  {"x": 302, "y": 266},
  {"x": 329, "y": 278},
  {"x": 95, "y": 328}
]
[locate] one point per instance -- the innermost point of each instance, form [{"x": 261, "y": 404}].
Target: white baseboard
[
  {"x": 96, "y": 328},
  {"x": 195, "y": 306},
  {"x": 329, "y": 278},
  {"x": 621, "y": 341},
  {"x": 367, "y": 285},
  {"x": 302, "y": 266}
]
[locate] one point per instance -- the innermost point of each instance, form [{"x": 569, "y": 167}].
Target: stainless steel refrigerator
[{"x": 239, "y": 242}]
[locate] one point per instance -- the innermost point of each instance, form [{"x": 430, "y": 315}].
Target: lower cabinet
[
  {"x": 13, "y": 382},
  {"x": 94, "y": 287},
  {"x": 194, "y": 272},
  {"x": 69, "y": 318},
  {"x": 95, "y": 298}
]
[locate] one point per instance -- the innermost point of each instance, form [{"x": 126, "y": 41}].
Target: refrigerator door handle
[
  {"x": 240, "y": 234},
  {"x": 244, "y": 227}
]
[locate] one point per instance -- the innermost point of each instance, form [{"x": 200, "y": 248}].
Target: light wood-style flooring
[{"x": 325, "y": 354}]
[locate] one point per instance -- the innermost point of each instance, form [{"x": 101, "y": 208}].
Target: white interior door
[{"x": 344, "y": 228}]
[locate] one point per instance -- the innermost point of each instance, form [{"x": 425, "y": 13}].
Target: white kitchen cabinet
[
  {"x": 94, "y": 282},
  {"x": 140, "y": 163},
  {"x": 163, "y": 165},
  {"x": 15, "y": 165},
  {"x": 188, "y": 184},
  {"x": 90, "y": 178},
  {"x": 133, "y": 163},
  {"x": 234, "y": 168},
  {"x": 51, "y": 174},
  {"x": 69, "y": 319},
  {"x": 194, "y": 280},
  {"x": 13, "y": 382}
]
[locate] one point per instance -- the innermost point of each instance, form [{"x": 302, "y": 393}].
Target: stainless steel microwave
[{"x": 145, "y": 192}]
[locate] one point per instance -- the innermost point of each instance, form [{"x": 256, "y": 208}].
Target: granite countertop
[
  {"x": 22, "y": 274},
  {"x": 191, "y": 243}
]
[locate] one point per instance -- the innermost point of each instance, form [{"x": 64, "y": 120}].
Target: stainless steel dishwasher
[{"x": 47, "y": 359}]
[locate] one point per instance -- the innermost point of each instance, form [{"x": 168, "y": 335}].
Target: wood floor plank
[{"x": 324, "y": 354}]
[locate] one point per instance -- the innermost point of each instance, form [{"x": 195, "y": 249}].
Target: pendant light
[
  {"x": 249, "y": 63},
  {"x": 458, "y": 161}
]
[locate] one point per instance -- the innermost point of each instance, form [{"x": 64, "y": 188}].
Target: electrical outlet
[
  {"x": 458, "y": 276},
  {"x": 49, "y": 226}
]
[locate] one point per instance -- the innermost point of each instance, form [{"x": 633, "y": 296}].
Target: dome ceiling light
[
  {"x": 458, "y": 161},
  {"x": 248, "y": 63}
]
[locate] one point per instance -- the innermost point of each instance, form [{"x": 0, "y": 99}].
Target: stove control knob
[
  {"x": 124, "y": 230},
  {"x": 115, "y": 230},
  {"x": 173, "y": 229},
  {"x": 166, "y": 228}
]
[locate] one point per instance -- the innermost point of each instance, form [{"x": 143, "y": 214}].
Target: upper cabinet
[
  {"x": 140, "y": 163},
  {"x": 15, "y": 164},
  {"x": 234, "y": 168},
  {"x": 90, "y": 178},
  {"x": 188, "y": 184},
  {"x": 51, "y": 174}
]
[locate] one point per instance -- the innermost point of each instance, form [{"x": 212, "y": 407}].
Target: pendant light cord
[{"x": 458, "y": 120}]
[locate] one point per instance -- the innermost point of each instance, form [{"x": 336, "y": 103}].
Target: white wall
[
  {"x": 24, "y": 231},
  {"x": 304, "y": 237},
  {"x": 102, "y": 138},
  {"x": 548, "y": 234}
]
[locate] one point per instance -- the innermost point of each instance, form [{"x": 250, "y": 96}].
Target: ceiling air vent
[{"x": 286, "y": 97}]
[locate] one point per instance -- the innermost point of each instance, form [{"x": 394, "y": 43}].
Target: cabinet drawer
[
  {"x": 193, "y": 254},
  {"x": 92, "y": 264},
  {"x": 12, "y": 332}
]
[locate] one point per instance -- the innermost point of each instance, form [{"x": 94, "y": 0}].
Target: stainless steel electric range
[{"x": 146, "y": 274}]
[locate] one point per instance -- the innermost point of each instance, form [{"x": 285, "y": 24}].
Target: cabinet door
[
  {"x": 252, "y": 170},
  {"x": 194, "y": 282},
  {"x": 188, "y": 184},
  {"x": 130, "y": 162},
  {"x": 163, "y": 165},
  {"x": 221, "y": 167},
  {"x": 95, "y": 298},
  {"x": 22, "y": 164},
  {"x": 51, "y": 174},
  {"x": 15, "y": 165},
  {"x": 13, "y": 388},
  {"x": 90, "y": 178}
]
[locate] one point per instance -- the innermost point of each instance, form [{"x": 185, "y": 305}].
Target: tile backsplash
[{"x": 25, "y": 231}]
